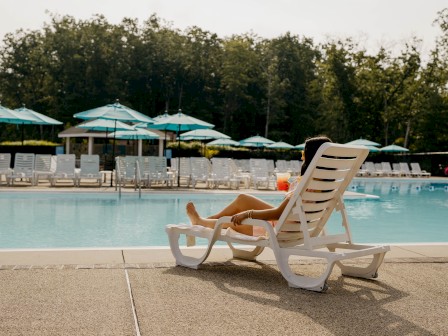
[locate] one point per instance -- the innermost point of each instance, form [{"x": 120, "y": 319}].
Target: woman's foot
[{"x": 193, "y": 214}]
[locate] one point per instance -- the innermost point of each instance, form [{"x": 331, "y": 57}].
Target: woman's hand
[{"x": 239, "y": 217}]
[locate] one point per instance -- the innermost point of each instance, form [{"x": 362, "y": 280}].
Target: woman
[{"x": 248, "y": 206}]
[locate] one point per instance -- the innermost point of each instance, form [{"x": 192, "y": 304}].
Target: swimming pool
[{"x": 406, "y": 212}]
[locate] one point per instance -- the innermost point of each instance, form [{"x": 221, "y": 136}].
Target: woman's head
[{"x": 311, "y": 147}]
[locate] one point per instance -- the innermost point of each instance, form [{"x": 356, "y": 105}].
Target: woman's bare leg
[
  {"x": 196, "y": 219},
  {"x": 241, "y": 203}
]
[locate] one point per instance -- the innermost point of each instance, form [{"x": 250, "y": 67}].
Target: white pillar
[
  {"x": 140, "y": 147},
  {"x": 161, "y": 147},
  {"x": 67, "y": 145},
  {"x": 90, "y": 147}
]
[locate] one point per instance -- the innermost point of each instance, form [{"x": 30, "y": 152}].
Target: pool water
[{"x": 404, "y": 213}]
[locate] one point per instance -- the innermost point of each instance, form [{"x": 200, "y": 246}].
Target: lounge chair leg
[
  {"x": 368, "y": 272},
  {"x": 317, "y": 284},
  {"x": 246, "y": 255},
  {"x": 181, "y": 259}
]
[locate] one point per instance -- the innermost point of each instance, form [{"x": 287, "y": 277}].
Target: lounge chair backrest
[
  {"x": 243, "y": 165},
  {"x": 185, "y": 167},
  {"x": 24, "y": 163},
  {"x": 405, "y": 167},
  {"x": 385, "y": 166},
  {"x": 65, "y": 163},
  {"x": 319, "y": 192},
  {"x": 200, "y": 167},
  {"x": 281, "y": 166},
  {"x": 259, "y": 168},
  {"x": 296, "y": 166},
  {"x": 5, "y": 161},
  {"x": 157, "y": 166},
  {"x": 396, "y": 166},
  {"x": 90, "y": 165},
  {"x": 43, "y": 163},
  {"x": 221, "y": 168}
]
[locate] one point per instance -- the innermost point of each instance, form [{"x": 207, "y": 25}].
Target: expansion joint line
[{"x": 131, "y": 296}]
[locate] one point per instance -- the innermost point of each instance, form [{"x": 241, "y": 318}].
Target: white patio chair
[
  {"x": 65, "y": 169},
  {"x": 5, "y": 165},
  {"x": 23, "y": 168},
  {"x": 90, "y": 169}
]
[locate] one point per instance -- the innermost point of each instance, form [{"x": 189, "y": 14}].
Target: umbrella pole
[
  {"x": 178, "y": 158},
  {"x": 113, "y": 155}
]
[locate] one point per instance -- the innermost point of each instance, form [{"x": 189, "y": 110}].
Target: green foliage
[
  {"x": 286, "y": 88},
  {"x": 29, "y": 143}
]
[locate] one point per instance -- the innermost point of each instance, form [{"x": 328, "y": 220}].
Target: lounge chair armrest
[{"x": 248, "y": 221}]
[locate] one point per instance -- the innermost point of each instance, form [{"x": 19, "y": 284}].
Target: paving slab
[
  {"x": 65, "y": 302},
  {"x": 407, "y": 299}
]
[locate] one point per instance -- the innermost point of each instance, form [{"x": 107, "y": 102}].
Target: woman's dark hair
[{"x": 311, "y": 147}]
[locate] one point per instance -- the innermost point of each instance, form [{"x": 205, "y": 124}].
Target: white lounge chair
[
  {"x": 404, "y": 167},
  {"x": 200, "y": 170},
  {"x": 23, "y": 168},
  {"x": 156, "y": 172},
  {"x": 127, "y": 170},
  {"x": 260, "y": 174},
  {"x": 90, "y": 169},
  {"x": 44, "y": 167},
  {"x": 397, "y": 167},
  {"x": 415, "y": 169},
  {"x": 296, "y": 166},
  {"x": 300, "y": 231},
  {"x": 65, "y": 169},
  {"x": 372, "y": 170},
  {"x": 222, "y": 174},
  {"x": 5, "y": 165},
  {"x": 387, "y": 169}
]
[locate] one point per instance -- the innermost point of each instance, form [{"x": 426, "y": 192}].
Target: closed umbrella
[
  {"x": 177, "y": 123},
  {"x": 256, "y": 141},
  {"x": 394, "y": 149},
  {"x": 116, "y": 112}
]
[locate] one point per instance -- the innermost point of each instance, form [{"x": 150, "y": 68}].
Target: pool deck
[{"x": 140, "y": 291}]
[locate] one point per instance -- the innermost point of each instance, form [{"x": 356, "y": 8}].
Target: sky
[{"x": 373, "y": 23}]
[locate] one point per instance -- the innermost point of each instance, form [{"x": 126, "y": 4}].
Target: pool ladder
[{"x": 118, "y": 174}]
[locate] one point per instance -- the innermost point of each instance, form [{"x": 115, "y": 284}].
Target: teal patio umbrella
[
  {"x": 393, "y": 149},
  {"x": 105, "y": 125},
  {"x": 180, "y": 122},
  {"x": 256, "y": 141},
  {"x": 300, "y": 146},
  {"x": 13, "y": 117},
  {"x": 138, "y": 134},
  {"x": 38, "y": 118},
  {"x": 203, "y": 134},
  {"x": 223, "y": 142},
  {"x": 363, "y": 142},
  {"x": 116, "y": 112},
  {"x": 280, "y": 145}
]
